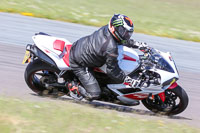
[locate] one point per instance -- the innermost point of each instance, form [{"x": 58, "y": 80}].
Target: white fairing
[
  {"x": 153, "y": 89},
  {"x": 165, "y": 75},
  {"x": 127, "y": 66},
  {"x": 45, "y": 43}
]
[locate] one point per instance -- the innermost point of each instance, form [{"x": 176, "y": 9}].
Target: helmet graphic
[{"x": 121, "y": 27}]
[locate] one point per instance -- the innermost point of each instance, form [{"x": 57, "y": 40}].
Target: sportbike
[{"x": 48, "y": 73}]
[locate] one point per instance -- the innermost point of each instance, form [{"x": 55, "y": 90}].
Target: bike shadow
[{"x": 117, "y": 107}]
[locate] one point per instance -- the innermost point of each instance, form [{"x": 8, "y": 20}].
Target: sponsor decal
[
  {"x": 127, "y": 18},
  {"x": 126, "y": 57},
  {"x": 137, "y": 96},
  {"x": 47, "y": 51}
]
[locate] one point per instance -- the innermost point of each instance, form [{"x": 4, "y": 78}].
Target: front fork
[{"x": 162, "y": 94}]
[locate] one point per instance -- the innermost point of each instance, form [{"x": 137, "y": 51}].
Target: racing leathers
[{"x": 96, "y": 50}]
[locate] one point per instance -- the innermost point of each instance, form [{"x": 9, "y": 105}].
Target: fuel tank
[{"x": 128, "y": 60}]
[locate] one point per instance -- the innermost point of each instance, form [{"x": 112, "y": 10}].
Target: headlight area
[
  {"x": 164, "y": 65},
  {"x": 170, "y": 81}
]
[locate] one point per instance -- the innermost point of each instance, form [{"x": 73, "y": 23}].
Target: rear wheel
[
  {"x": 38, "y": 75},
  {"x": 176, "y": 102}
]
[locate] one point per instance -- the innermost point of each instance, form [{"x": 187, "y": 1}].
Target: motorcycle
[{"x": 48, "y": 72}]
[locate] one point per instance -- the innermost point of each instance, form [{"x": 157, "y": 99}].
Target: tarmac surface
[{"x": 16, "y": 31}]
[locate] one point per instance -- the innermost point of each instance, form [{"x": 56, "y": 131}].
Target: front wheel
[{"x": 176, "y": 102}]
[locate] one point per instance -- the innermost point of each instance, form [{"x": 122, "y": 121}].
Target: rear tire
[
  {"x": 177, "y": 107},
  {"x": 32, "y": 81}
]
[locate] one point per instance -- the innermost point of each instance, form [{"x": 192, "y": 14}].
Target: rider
[{"x": 101, "y": 48}]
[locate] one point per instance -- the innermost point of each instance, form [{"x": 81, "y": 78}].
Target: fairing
[
  {"x": 46, "y": 44},
  {"x": 166, "y": 69},
  {"x": 128, "y": 60}
]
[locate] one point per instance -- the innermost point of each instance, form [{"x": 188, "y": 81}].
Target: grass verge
[
  {"x": 62, "y": 116},
  {"x": 171, "y": 18}
]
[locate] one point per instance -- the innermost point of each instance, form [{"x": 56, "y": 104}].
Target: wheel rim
[
  {"x": 172, "y": 100},
  {"x": 39, "y": 78},
  {"x": 171, "y": 103}
]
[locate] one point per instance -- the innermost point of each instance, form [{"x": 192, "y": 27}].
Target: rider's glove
[
  {"x": 143, "y": 47},
  {"x": 135, "y": 44},
  {"x": 131, "y": 82}
]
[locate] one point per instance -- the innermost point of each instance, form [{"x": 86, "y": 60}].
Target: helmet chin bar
[
  {"x": 118, "y": 36},
  {"x": 112, "y": 31}
]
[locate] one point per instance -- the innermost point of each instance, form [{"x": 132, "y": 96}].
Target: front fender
[
  {"x": 162, "y": 95},
  {"x": 172, "y": 86}
]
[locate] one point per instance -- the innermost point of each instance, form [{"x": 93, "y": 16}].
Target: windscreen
[{"x": 161, "y": 63}]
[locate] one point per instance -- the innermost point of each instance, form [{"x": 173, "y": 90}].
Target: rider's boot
[
  {"x": 85, "y": 94},
  {"x": 74, "y": 91},
  {"x": 78, "y": 92}
]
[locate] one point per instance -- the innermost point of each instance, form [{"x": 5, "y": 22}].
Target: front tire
[{"x": 176, "y": 102}]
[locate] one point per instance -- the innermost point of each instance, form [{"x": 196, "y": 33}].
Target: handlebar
[{"x": 151, "y": 54}]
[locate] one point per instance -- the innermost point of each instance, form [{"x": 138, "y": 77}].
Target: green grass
[
  {"x": 66, "y": 117},
  {"x": 171, "y": 18}
]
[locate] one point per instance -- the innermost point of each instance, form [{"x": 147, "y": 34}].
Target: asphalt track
[{"x": 16, "y": 32}]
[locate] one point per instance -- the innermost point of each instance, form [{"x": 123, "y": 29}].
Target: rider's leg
[
  {"x": 89, "y": 82},
  {"x": 90, "y": 89}
]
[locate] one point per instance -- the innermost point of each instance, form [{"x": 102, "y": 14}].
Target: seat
[
  {"x": 66, "y": 56},
  {"x": 59, "y": 45}
]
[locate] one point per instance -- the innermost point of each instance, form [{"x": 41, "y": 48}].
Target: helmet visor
[{"x": 124, "y": 33}]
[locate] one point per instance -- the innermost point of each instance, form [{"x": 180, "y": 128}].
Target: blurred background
[
  {"x": 21, "y": 111},
  {"x": 170, "y": 18}
]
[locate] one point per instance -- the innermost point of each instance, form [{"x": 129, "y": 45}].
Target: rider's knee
[{"x": 93, "y": 90}]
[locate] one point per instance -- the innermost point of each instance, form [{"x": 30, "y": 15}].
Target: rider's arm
[
  {"x": 131, "y": 43},
  {"x": 135, "y": 44},
  {"x": 113, "y": 69}
]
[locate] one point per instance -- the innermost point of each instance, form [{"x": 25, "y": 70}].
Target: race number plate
[{"x": 27, "y": 57}]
